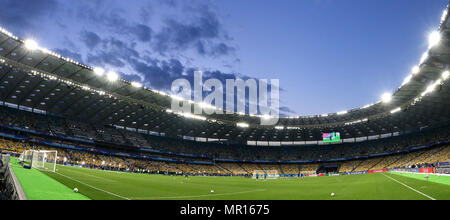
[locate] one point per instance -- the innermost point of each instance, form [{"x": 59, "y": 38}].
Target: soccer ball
[
  {"x": 332, "y": 194},
  {"x": 212, "y": 191},
  {"x": 75, "y": 190}
]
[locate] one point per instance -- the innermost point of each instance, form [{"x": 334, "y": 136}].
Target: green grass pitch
[{"x": 106, "y": 185}]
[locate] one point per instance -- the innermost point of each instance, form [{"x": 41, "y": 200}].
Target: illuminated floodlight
[
  {"x": 434, "y": 39},
  {"x": 445, "y": 75},
  {"x": 136, "y": 84},
  {"x": 31, "y": 44},
  {"x": 407, "y": 80},
  {"x": 415, "y": 70},
  {"x": 279, "y": 127},
  {"x": 342, "y": 112},
  {"x": 99, "y": 71},
  {"x": 205, "y": 105},
  {"x": 386, "y": 97},
  {"x": 396, "y": 110},
  {"x": 431, "y": 87},
  {"x": 424, "y": 58},
  {"x": 242, "y": 125},
  {"x": 176, "y": 97},
  {"x": 112, "y": 76},
  {"x": 266, "y": 117},
  {"x": 444, "y": 15}
]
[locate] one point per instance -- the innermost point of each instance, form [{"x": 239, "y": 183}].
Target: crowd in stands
[
  {"x": 208, "y": 152},
  {"x": 55, "y": 125},
  {"x": 427, "y": 157}
]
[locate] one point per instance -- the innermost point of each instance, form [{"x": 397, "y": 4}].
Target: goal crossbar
[
  {"x": 265, "y": 174},
  {"x": 40, "y": 159}
]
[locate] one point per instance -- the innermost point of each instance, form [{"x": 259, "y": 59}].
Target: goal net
[
  {"x": 265, "y": 174},
  {"x": 40, "y": 159}
]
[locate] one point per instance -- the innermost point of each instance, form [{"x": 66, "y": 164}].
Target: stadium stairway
[{"x": 223, "y": 168}]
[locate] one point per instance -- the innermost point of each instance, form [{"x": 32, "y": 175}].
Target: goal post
[
  {"x": 40, "y": 159},
  {"x": 265, "y": 174}
]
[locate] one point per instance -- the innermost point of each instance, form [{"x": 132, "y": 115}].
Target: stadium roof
[{"x": 36, "y": 78}]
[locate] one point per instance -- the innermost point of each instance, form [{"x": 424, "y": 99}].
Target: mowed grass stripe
[
  {"x": 415, "y": 190},
  {"x": 144, "y": 186},
  {"x": 38, "y": 186}
]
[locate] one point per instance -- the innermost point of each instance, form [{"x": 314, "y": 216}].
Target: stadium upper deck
[{"x": 38, "y": 80}]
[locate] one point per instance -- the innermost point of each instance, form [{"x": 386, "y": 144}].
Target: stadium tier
[{"x": 136, "y": 152}]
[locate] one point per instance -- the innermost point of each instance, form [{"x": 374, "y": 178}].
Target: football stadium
[{"x": 69, "y": 131}]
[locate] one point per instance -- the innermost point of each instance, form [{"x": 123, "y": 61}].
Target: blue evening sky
[{"x": 330, "y": 55}]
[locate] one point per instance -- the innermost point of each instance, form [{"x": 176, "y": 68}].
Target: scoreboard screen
[{"x": 333, "y": 137}]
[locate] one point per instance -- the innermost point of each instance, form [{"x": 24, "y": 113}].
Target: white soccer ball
[
  {"x": 212, "y": 191},
  {"x": 332, "y": 194},
  {"x": 75, "y": 190}
]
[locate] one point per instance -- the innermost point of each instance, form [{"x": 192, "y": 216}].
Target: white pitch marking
[
  {"x": 97, "y": 177},
  {"x": 102, "y": 190},
  {"x": 182, "y": 197},
  {"x": 417, "y": 191}
]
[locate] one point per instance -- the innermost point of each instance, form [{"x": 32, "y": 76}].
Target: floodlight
[
  {"x": 99, "y": 71},
  {"x": 31, "y": 44},
  {"x": 424, "y": 58},
  {"x": 396, "y": 110},
  {"x": 444, "y": 15},
  {"x": 430, "y": 88},
  {"x": 242, "y": 125},
  {"x": 266, "y": 116},
  {"x": 407, "y": 80},
  {"x": 136, "y": 84},
  {"x": 342, "y": 112},
  {"x": 434, "y": 39},
  {"x": 112, "y": 76},
  {"x": 445, "y": 75},
  {"x": 386, "y": 97},
  {"x": 415, "y": 70}
]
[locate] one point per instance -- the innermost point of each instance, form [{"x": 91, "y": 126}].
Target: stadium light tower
[
  {"x": 386, "y": 97},
  {"x": 112, "y": 76},
  {"x": 31, "y": 44},
  {"x": 434, "y": 39}
]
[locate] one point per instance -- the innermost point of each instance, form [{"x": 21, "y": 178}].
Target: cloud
[
  {"x": 69, "y": 54},
  {"x": 142, "y": 32},
  {"x": 113, "y": 52},
  {"x": 204, "y": 34},
  {"x": 19, "y": 16},
  {"x": 222, "y": 49},
  {"x": 90, "y": 39},
  {"x": 159, "y": 74}
]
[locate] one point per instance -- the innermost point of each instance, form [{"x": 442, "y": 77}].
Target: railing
[{"x": 10, "y": 188}]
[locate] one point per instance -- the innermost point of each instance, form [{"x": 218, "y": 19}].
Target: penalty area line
[
  {"x": 93, "y": 187},
  {"x": 417, "y": 191}
]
